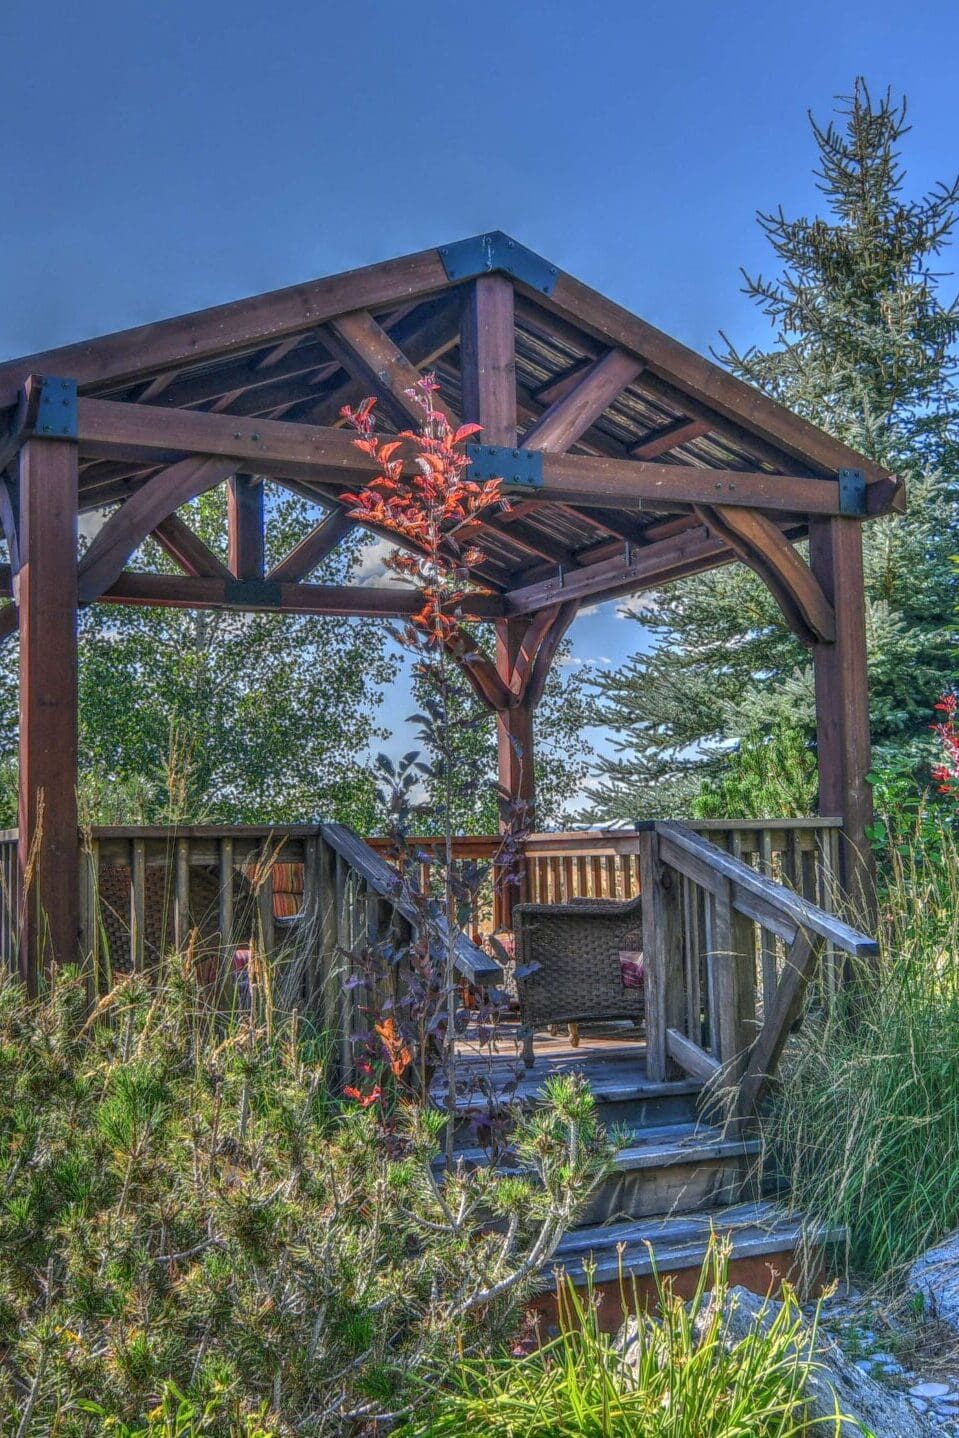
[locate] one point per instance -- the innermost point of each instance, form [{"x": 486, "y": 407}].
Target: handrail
[
  {"x": 711, "y": 1008},
  {"x": 791, "y": 906},
  {"x": 470, "y": 960}
]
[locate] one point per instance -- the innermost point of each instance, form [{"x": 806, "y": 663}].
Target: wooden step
[
  {"x": 616, "y": 1074},
  {"x": 675, "y": 1242},
  {"x": 671, "y": 1168}
]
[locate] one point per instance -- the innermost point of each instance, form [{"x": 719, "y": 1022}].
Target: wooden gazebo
[{"x": 629, "y": 461}]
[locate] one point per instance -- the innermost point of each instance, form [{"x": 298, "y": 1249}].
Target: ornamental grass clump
[
  {"x": 678, "y": 1376},
  {"x": 189, "y": 1225},
  {"x": 866, "y": 1118}
]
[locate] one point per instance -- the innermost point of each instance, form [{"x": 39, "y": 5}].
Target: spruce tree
[{"x": 864, "y": 347}]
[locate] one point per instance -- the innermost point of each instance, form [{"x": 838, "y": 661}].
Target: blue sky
[{"x": 160, "y": 158}]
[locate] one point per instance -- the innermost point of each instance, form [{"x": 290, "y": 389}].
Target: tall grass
[
  {"x": 680, "y": 1378},
  {"x": 866, "y": 1118}
]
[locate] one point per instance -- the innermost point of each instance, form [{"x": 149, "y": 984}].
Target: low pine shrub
[{"x": 195, "y": 1239}]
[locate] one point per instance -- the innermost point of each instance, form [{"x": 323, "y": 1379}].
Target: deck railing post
[{"x": 662, "y": 953}]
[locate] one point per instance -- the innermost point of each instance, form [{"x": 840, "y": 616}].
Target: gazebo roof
[{"x": 614, "y": 406}]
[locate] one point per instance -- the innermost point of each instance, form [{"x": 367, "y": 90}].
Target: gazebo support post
[
  {"x": 842, "y": 707},
  {"x": 49, "y": 849},
  {"x": 488, "y": 357}
]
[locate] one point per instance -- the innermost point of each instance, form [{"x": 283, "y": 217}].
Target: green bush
[
  {"x": 866, "y": 1117},
  {"x": 681, "y": 1380},
  {"x": 195, "y": 1239}
]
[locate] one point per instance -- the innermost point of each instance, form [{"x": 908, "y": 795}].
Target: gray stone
[
  {"x": 835, "y": 1378},
  {"x": 930, "y": 1390},
  {"x": 935, "y": 1277}
]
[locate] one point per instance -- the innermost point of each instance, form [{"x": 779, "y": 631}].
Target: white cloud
[
  {"x": 639, "y": 604},
  {"x": 371, "y": 569}
]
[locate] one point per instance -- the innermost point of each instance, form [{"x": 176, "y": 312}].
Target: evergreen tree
[
  {"x": 561, "y": 757},
  {"x": 865, "y": 347}
]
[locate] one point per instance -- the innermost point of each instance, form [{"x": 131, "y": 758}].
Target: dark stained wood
[
  {"x": 548, "y": 648},
  {"x": 48, "y": 834},
  {"x": 488, "y": 359},
  {"x": 572, "y": 413},
  {"x": 842, "y": 704},
  {"x": 370, "y": 355},
  {"x": 126, "y": 529},
  {"x": 228, "y": 328},
  {"x": 761, "y": 544},
  {"x": 181, "y": 592},
  {"x": 187, "y": 549},
  {"x": 285, "y": 447},
  {"x": 245, "y": 519},
  {"x": 313, "y": 548},
  {"x": 680, "y": 431},
  {"x": 701, "y": 379},
  {"x": 657, "y": 564}
]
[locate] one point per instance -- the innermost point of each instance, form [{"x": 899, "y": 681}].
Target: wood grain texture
[{"x": 48, "y": 833}]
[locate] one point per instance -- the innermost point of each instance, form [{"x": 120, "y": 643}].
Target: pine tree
[{"x": 865, "y": 347}]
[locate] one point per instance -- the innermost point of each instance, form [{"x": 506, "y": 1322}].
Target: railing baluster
[
  {"x": 138, "y": 867},
  {"x": 181, "y": 894}
]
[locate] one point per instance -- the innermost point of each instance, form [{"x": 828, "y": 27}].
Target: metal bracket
[
  {"x": 517, "y": 468},
  {"x": 57, "y": 410},
  {"x": 852, "y": 491},
  {"x": 484, "y": 254},
  {"x": 254, "y": 593}
]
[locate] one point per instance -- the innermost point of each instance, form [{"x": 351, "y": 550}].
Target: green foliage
[
  {"x": 679, "y": 1379},
  {"x": 224, "y": 717},
  {"x": 772, "y": 774},
  {"x": 194, "y": 1238},
  {"x": 865, "y": 347},
  {"x": 866, "y": 1119},
  {"x": 561, "y": 758}
]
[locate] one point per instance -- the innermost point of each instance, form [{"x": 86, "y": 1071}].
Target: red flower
[{"x": 365, "y": 1100}]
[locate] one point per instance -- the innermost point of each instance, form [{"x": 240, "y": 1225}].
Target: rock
[
  {"x": 935, "y": 1277},
  {"x": 866, "y": 1404},
  {"x": 930, "y": 1390}
]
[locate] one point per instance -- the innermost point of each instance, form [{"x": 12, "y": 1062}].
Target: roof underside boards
[{"x": 275, "y": 357}]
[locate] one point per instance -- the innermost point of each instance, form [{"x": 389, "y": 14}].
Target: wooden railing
[
  {"x": 729, "y": 953},
  {"x": 148, "y": 890}
]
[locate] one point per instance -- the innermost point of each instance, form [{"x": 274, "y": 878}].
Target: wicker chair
[{"x": 568, "y": 965}]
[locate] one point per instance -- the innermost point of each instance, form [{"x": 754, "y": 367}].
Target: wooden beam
[
  {"x": 368, "y": 353},
  {"x": 842, "y": 706},
  {"x": 139, "y": 516},
  {"x": 649, "y": 568},
  {"x": 186, "y": 548},
  {"x": 801, "y": 959},
  {"x": 225, "y": 329},
  {"x": 312, "y": 549},
  {"x": 286, "y": 448},
  {"x": 762, "y": 545},
  {"x": 572, "y": 413},
  {"x": 543, "y": 662},
  {"x": 48, "y": 833},
  {"x": 245, "y": 520},
  {"x": 561, "y": 384},
  {"x": 680, "y": 431},
  {"x": 180, "y": 591},
  {"x": 701, "y": 379},
  {"x": 488, "y": 359}
]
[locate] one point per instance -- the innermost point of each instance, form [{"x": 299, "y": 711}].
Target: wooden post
[
  {"x": 662, "y": 954},
  {"x": 842, "y": 707},
  {"x": 48, "y": 835},
  {"x": 488, "y": 352},
  {"x": 245, "y": 524}
]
